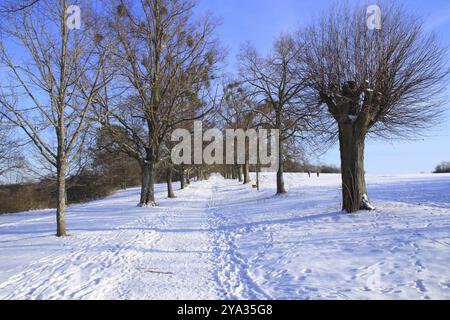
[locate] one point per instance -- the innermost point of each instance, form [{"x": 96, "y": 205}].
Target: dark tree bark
[
  {"x": 354, "y": 190},
  {"x": 182, "y": 178},
  {"x": 170, "y": 192},
  {"x": 148, "y": 185},
  {"x": 246, "y": 166},
  {"x": 257, "y": 177},
  {"x": 280, "y": 180}
]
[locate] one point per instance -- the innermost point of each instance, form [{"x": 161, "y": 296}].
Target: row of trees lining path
[{"x": 138, "y": 70}]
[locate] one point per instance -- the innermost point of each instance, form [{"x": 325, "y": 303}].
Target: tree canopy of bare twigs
[{"x": 13, "y": 6}]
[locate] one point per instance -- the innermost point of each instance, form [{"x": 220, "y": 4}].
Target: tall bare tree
[
  {"x": 55, "y": 76},
  {"x": 381, "y": 83},
  {"x": 277, "y": 82},
  {"x": 167, "y": 61}
]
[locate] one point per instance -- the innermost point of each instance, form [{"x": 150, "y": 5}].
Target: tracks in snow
[
  {"x": 231, "y": 269},
  {"x": 87, "y": 270},
  {"x": 222, "y": 239}
]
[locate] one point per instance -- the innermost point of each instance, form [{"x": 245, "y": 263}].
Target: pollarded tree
[{"x": 383, "y": 82}]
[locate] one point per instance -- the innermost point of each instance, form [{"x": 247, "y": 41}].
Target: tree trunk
[
  {"x": 257, "y": 177},
  {"x": 148, "y": 185},
  {"x": 61, "y": 205},
  {"x": 234, "y": 173},
  {"x": 183, "y": 178},
  {"x": 247, "y": 178},
  {"x": 188, "y": 178},
  {"x": 170, "y": 192},
  {"x": 280, "y": 179},
  {"x": 354, "y": 191},
  {"x": 240, "y": 173}
]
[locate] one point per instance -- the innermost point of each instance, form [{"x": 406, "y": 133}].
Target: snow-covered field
[{"x": 220, "y": 239}]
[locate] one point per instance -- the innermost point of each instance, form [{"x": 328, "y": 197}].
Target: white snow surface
[{"x": 222, "y": 240}]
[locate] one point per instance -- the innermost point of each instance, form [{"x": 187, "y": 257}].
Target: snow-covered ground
[{"x": 220, "y": 239}]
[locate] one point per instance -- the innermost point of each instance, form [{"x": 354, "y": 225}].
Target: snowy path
[
  {"x": 117, "y": 251},
  {"x": 220, "y": 239}
]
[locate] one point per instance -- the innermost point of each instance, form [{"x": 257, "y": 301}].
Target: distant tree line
[
  {"x": 444, "y": 167},
  {"x": 293, "y": 166}
]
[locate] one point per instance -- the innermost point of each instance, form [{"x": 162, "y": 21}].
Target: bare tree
[
  {"x": 277, "y": 83},
  {"x": 372, "y": 82},
  {"x": 55, "y": 76},
  {"x": 167, "y": 62}
]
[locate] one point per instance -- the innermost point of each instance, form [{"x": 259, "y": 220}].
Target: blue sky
[{"x": 260, "y": 21}]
